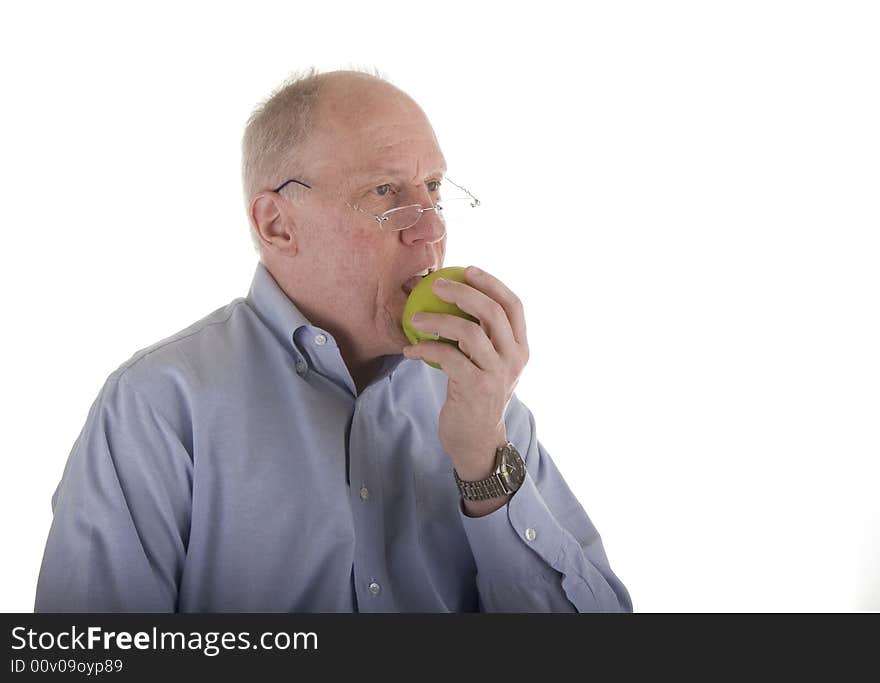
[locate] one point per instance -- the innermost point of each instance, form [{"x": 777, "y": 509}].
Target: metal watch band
[{"x": 490, "y": 487}]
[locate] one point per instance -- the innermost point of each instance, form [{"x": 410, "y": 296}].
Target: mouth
[{"x": 411, "y": 283}]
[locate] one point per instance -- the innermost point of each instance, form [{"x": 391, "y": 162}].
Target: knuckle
[
  {"x": 497, "y": 310},
  {"x": 471, "y": 330}
]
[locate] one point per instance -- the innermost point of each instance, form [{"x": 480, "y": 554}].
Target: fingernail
[
  {"x": 441, "y": 281},
  {"x": 416, "y": 318},
  {"x": 474, "y": 270}
]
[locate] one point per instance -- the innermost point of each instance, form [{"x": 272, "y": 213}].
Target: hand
[{"x": 483, "y": 371}]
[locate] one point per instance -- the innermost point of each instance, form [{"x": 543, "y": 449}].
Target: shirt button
[
  {"x": 365, "y": 493},
  {"x": 300, "y": 366},
  {"x": 320, "y": 339},
  {"x": 530, "y": 534},
  {"x": 375, "y": 588}
]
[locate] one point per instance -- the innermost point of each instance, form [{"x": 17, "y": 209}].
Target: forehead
[{"x": 362, "y": 132}]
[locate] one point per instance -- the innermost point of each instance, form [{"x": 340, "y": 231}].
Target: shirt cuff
[{"x": 518, "y": 539}]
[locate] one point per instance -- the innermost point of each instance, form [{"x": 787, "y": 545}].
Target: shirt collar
[
  {"x": 274, "y": 306},
  {"x": 282, "y": 316}
]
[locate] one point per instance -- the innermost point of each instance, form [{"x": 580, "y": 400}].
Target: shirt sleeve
[
  {"x": 120, "y": 514},
  {"x": 540, "y": 552}
]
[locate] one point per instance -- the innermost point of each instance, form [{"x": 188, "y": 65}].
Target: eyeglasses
[{"x": 456, "y": 207}]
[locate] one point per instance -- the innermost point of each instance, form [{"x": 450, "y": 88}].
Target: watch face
[{"x": 513, "y": 469}]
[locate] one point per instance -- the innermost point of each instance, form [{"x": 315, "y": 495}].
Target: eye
[
  {"x": 433, "y": 185},
  {"x": 383, "y": 190}
]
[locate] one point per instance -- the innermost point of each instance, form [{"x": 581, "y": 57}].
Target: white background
[{"x": 684, "y": 194}]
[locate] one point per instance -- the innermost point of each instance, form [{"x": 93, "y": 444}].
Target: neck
[{"x": 363, "y": 363}]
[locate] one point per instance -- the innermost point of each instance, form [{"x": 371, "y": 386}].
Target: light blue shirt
[{"x": 234, "y": 467}]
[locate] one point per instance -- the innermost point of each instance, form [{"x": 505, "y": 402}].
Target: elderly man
[{"x": 290, "y": 451}]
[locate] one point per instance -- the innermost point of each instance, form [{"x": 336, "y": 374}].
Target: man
[{"x": 291, "y": 452}]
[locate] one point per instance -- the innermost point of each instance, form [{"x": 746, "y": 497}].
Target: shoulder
[{"x": 167, "y": 374}]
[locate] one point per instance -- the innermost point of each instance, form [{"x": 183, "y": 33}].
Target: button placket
[{"x": 366, "y": 488}]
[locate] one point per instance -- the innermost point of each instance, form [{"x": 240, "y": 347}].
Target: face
[{"x": 374, "y": 149}]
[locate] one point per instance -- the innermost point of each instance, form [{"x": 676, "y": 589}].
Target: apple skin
[{"x": 422, "y": 298}]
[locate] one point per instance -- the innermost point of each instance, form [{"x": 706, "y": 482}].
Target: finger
[
  {"x": 497, "y": 290},
  {"x": 471, "y": 338},
  {"x": 452, "y": 361},
  {"x": 490, "y": 313}
]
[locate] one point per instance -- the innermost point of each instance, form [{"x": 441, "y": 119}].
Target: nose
[{"x": 430, "y": 227}]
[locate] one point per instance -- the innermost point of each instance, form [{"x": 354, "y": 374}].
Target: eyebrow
[{"x": 364, "y": 174}]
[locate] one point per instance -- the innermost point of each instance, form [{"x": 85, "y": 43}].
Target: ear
[{"x": 274, "y": 223}]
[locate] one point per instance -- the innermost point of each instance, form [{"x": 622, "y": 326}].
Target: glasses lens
[
  {"x": 453, "y": 204},
  {"x": 402, "y": 218}
]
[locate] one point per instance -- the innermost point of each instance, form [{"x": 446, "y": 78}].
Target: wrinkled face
[{"x": 372, "y": 148}]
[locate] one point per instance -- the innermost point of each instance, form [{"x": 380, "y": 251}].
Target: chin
[{"x": 395, "y": 337}]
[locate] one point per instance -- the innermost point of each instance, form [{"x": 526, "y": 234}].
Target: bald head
[
  {"x": 286, "y": 133},
  {"x": 347, "y": 96},
  {"x": 356, "y": 117}
]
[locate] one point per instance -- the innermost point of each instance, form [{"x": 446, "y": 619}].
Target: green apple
[{"x": 422, "y": 298}]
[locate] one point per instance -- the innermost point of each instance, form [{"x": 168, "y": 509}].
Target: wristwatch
[{"x": 509, "y": 474}]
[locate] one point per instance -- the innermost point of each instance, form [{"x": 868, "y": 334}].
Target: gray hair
[{"x": 276, "y": 132}]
